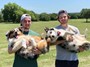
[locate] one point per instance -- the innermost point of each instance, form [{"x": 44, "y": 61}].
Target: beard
[{"x": 27, "y": 26}]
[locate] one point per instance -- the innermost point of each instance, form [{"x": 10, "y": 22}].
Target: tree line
[{"x": 12, "y": 13}]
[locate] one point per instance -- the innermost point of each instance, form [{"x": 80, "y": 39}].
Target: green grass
[{"x": 47, "y": 60}]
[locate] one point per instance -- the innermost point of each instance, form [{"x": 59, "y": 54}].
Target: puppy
[
  {"x": 78, "y": 43},
  {"x": 17, "y": 40}
]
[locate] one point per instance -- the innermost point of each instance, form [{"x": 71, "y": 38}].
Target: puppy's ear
[
  {"x": 7, "y": 33},
  {"x": 51, "y": 28},
  {"x": 46, "y": 29},
  {"x": 20, "y": 29}
]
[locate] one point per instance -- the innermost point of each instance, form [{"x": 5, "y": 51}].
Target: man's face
[
  {"x": 26, "y": 22},
  {"x": 63, "y": 18}
]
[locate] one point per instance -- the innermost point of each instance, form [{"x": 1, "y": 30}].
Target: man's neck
[{"x": 64, "y": 25}]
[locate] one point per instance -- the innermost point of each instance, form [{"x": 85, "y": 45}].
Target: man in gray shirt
[{"x": 65, "y": 58}]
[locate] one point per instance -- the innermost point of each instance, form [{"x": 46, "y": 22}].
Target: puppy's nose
[
  {"x": 50, "y": 32},
  {"x": 49, "y": 36},
  {"x": 53, "y": 36},
  {"x": 6, "y": 35}
]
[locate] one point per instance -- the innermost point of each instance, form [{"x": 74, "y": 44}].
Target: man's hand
[
  {"x": 36, "y": 51},
  {"x": 59, "y": 42},
  {"x": 81, "y": 49}
]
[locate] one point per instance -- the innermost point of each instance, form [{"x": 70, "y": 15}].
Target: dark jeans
[{"x": 64, "y": 63}]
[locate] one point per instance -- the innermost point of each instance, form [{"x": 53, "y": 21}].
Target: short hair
[{"x": 62, "y": 11}]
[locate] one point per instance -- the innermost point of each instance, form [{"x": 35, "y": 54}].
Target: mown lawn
[{"x": 47, "y": 60}]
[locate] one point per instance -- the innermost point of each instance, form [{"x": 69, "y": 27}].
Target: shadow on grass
[
  {"x": 10, "y": 22},
  {"x": 86, "y": 22}
]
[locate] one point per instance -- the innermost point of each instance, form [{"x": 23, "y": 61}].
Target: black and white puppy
[{"x": 78, "y": 44}]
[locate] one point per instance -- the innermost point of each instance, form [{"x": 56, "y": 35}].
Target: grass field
[{"x": 47, "y": 60}]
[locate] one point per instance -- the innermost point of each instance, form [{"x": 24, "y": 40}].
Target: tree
[
  {"x": 73, "y": 16},
  {"x": 85, "y": 13},
  {"x": 11, "y": 12},
  {"x": 18, "y": 14},
  {"x": 44, "y": 17},
  {"x": 34, "y": 16},
  {"x": 53, "y": 16},
  {"x": 1, "y": 17}
]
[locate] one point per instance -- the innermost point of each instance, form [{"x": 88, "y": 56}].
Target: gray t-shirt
[{"x": 63, "y": 54}]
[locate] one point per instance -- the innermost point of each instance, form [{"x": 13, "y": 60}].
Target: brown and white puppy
[
  {"x": 17, "y": 40},
  {"x": 78, "y": 43}
]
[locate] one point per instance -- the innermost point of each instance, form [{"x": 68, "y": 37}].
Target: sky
[{"x": 50, "y": 6}]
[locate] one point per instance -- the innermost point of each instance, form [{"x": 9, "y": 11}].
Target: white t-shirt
[{"x": 61, "y": 53}]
